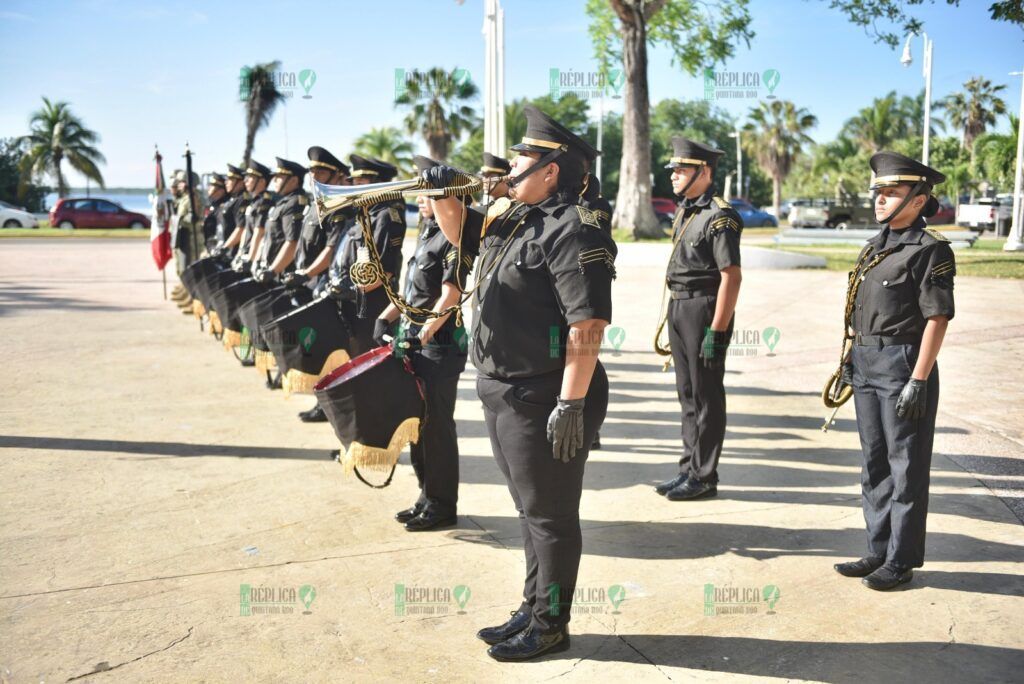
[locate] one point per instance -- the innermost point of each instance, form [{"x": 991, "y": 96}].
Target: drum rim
[{"x": 371, "y": 359}]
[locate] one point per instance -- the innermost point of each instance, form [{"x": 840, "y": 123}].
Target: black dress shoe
[
  {"x": 274, "y": 383},
  {"x": 406, "y": 514},
  {"x": 693, "y": 489},
  {"x": 334, "y": 455},
  {"x": 859, "y": 568},
  {"x": 889, "y": 576},
  {"x": 247, "y": 363},
  {"x": 313, "y": 415},
  {"x": 519, "y": 621},
  {"x": 669, "y": 485},
  {"x": 530, "y": 643},
  {"x": 430, "y": 520}
]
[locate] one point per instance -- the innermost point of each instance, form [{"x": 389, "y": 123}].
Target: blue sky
[{"x": 142, "y": 72}]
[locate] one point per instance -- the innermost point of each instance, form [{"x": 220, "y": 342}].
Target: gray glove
[
  {"x": 565, "y": 428},
  {"x": 913, "y": 400}
]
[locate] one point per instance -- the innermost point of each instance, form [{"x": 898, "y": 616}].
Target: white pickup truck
[{"x": 987, "y": 212}]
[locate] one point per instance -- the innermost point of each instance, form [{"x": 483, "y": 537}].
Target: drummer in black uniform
[
  {"x": 703, "y": 280},
  {"x": 435, "y": 278},
  {"x": 317, "y": 243},
  {"x": 543, "y": 302},
  {"x": 899, "y": 304},
  {"x": 284, "y": 223},
  {"x": 213, "y": 231},
  {"x": 231, "y": 220},
  {"x": 257, "y": 178}
]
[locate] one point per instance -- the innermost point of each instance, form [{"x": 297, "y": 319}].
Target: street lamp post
[
  {"x": 739, "y": 163},
  {"x": 907, "y": 60},
  {"x": 1015, "y": 240}
]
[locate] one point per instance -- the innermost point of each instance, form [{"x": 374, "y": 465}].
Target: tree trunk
[
  {"x": 777, "y": 194},
  {"x": 250, "y": 140},
  {"x": 633, "y": 208}
]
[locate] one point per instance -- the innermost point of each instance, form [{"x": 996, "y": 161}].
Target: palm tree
[
  {"x": 876, "y": 126},
  {"x": 435, "y": 98},
  {"x": 57, "y": 134},
  {"x": 842, "y": 162},
  {"x": 261, "y": 97},
  {"x": 911, "y": 112},
  {"x": 776, "y": 134},
  {"x": 386, "y": 144},
  {"x": 974, "y": 110},
  {"x": 997, "y": 154}
]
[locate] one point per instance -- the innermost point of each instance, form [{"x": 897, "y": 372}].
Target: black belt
[
  {"x": 885, "y": 340},
  {"x": 691, "y": 294}
]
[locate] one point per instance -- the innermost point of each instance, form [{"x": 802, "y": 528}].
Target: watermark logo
[
  {"x": 307, "y": 336},
  {"x": 405, "y": 77},
  {"x": 730, "y": 600},
  {"x": 264, "y": 600},
  {"x": 612, "y": 336},
  {"x": 586, "y": 85},
  {"x": 413, "y": 600},
  {"x": 286, "y": 82},
  {"x": 588, "y": 600},
  {"x": 743, "y": 342},
  {"x": 771, "y": 337},
  {"x": 740, "y": 85}
]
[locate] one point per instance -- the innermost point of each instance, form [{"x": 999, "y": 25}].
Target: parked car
[
  {"x": 945, "y": 214},
  {"x": 94, "y": 212},
  {"x": 987, "y": 212},
  {"x": 665, "y": 210},
  {"x": 16, "y": 217},
  {"x": 784, "y": 208},
  {"x": 753, "y": 217},
  {"x": 829, "y": 213}
]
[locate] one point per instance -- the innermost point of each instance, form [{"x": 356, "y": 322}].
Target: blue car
[{"x": 752, "y": 216}]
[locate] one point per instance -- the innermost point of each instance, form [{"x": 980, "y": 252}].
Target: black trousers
[
  {"x": 546, "y": 491},
  {"x": 701, "y": 390},
  {"x": 897, "y": 452},
  {"x": 435, "y": 457}
]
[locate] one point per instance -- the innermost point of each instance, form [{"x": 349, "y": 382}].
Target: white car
[{"x": 16, "y": 217}]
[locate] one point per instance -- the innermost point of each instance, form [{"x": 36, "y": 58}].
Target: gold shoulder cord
[
  {"x": 835, "y": 393},
  {"x": 665, "y": 350},
  {"x": 366, "y": 273}
]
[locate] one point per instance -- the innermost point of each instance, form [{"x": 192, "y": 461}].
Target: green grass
[{"x": 985, "y": 259}]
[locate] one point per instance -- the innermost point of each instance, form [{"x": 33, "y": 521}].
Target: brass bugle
[{"x": 329, "y": 199}]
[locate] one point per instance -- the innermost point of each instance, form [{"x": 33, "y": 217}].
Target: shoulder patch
[
  {"x": 588, "y": 217},
  {"x": 266, "y": 195},
  {"x": 597, "y": 255},
  {"x": 303, "y": 200},
  {"x": 722, "y": 204},
  {"x": 725, "y": 222},
  {"x": 936, "y": 234},
  {"x": 396, "y": 214}
]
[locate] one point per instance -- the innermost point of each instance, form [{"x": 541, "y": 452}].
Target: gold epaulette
[
  {"x": 722, "y": 204},
  {"x": 396, "y": 214},
  {"x": 936, "y": 234},
  {"x": 497, "y": 208},
  {"x": 588, "y": 217}
]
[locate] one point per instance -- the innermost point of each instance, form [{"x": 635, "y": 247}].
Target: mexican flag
[{"x": 159, "y": 235}]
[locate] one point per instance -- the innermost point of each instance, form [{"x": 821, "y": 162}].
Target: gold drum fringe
[
  {"x": 297, "y": 382},
  {"x": 198, "y": 310},
  {"x": 215, "y": 325},
  {"x": 265, "y": 360},
  {"x": 231, "y": 338},
  {"x": 375, "y": 458}
]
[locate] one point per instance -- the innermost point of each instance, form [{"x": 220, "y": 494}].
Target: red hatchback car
[{"x": 93, "y": 212}]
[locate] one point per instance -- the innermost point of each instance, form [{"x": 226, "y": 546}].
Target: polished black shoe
[
  {"x": 274, "y": 383},
  {"x": 693, "y": 489},
  {"x": 406, "y": 514},
  {"x": 859, "y": 568},
  {"x": 247, "y": 363},
  {"x": 519, "y": 621},
  {"x": 668, "y": 485},
  {"x": 887, "y": 577},
  {"x": 334, "y": 455},
  {"x": 530, "y": 643},
  {"x": 430, "y": 520},
  {"x": 313, "y": 415}
]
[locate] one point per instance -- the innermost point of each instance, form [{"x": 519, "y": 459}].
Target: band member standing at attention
[
  {"x": 434, "y": 279},
  {"x": 542, "y": 303},
  {"x": 284, "y": 223},
  {"x": 898, "y": 305},
  {"x": 703, "y": 281},
  {"x": 231, "y": 221},
  {"x": 257, "y": 176},
  {"x": 213, "y": 229}
]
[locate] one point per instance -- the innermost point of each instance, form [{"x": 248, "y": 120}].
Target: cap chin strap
[
  {"x": 541, "y": 163},
  {"x": 682, "y": 193},
  {"x": 914, "y": 192}
]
